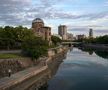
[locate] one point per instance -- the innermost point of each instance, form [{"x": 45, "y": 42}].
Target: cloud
[
  {"x": 85, "y": 31},
  {"x": 11, "y": 11},
  {"x": 101, "y": 31},
  {"x": 53, "y": 13},
  {"x": 22, "y": 12},
  {"x": 10, "y": 6}
]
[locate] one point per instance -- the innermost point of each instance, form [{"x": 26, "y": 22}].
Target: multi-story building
[
  {"x": 80, "y": 37},
  {"x": 40, "y": 30},
  {"x": 69, "y": 36},
  {"x": 91, "y": 33},
  {"x": 62, "y": 31}
]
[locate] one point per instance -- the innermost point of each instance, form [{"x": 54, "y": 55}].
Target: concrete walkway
[
  {"x": 20, "y": 77},
  {"x": 9, "y": 51}
]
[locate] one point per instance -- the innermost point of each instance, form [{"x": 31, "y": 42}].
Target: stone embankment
[
  {"x": 15, "y": 65},
  {"x": 31, "y": 73}
]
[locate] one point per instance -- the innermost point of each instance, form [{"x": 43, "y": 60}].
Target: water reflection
[
  {"x": 82, "y": 70},
  {"x": 103, "y": 54},
  {"x": 53, "y": 68}
]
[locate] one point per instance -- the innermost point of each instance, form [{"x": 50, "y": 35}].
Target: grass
[{"x": 7, "y": 56}]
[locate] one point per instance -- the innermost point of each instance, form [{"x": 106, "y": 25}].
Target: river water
[{"x": 82, "y": 70}]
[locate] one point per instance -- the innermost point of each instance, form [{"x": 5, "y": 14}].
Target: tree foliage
[
  {"x": 34, "y": 47},
  {"x": 55, "y": 40},
  {"x": 22, "y": 38},
  {"x": 98, "y": 40},
  {"x": 12, "y": 37},
  {"x": 102, "y": 39}
]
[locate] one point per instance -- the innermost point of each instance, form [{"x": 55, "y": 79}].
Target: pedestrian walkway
[
  {"x": 20, "y": 77},
  {"x": 9, "y": 51}
]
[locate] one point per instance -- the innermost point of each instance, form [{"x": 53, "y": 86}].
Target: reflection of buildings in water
[{"x": 90, "y": 51}]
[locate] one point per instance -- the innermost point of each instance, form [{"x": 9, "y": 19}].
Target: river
[{"x": 82, "y": 70}]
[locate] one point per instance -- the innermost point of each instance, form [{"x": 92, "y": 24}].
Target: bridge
[
  {"x": 71, "y": 43},
  {"x": 34, "y": 77}
]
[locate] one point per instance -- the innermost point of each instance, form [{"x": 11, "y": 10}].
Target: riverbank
[
  {"x": 99, "y": 47},
  {"x": 17, "y": 79},
  {"x": 20, "y": 63}
]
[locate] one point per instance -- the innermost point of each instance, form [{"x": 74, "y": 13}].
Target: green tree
[
  {"x": 8, "y": 37},
  {"x": 56, "y": 40},
  {"x": 102, "y": 39},
  {"x": 34, "y": 47},
  {"x": 12, "y": 37}
]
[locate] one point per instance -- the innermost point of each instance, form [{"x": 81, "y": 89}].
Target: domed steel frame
[{"x": 38, "y": 20}]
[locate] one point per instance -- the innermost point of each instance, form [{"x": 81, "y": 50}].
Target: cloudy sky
[{"x": 78, "y": 15}]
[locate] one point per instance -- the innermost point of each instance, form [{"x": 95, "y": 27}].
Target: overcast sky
[{"x": 78, "y": 15}]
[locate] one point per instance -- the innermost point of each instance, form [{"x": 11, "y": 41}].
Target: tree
[
  {"x": 34, "y": 47},
  {"x": 12, "y": 37},
  {"x": 56, "y": 40},
  {"x": 7, "y": 37},
  {"x": 102, "y": 39}
]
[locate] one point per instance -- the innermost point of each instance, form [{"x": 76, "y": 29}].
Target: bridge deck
[{"x": 71, "y": 42}]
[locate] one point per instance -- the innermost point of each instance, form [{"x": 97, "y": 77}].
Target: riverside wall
[
  {"x": 15, "y": 65},
  {"x": 29, "y": 75}
]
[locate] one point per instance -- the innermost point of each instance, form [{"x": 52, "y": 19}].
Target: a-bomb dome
[{"x": 38, "y": 20}]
